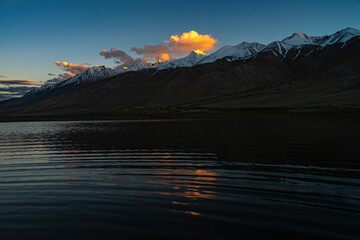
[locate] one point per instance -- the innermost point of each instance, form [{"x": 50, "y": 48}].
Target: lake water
[{"x": 190, "y": 179}]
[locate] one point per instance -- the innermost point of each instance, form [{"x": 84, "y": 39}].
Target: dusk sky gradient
[{"x": 36, "y": 34}]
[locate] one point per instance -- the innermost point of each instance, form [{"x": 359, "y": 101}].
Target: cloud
[
  {"x": 125, "y": 59},
  {"x": 58, "y": 77},
  {"x": 177, "y": 45},
  {"x": 71, "y": 68},
  {"x": 19, "y": 82},
  {"x": 4, "y": 76},
  {"x": 16, "y": 88},
  {"x": 189, "y": 41},
  {"x": 67, "y": 75},
  {"x": 11, "y": 92},
  {"x": 55, "y": 80},
  {"x": 160, "y": 52}
]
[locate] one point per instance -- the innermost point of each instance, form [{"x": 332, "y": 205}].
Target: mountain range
[{"x": 299, "y": 71}]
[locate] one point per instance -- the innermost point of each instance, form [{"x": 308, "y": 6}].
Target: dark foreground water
[{"x": 245, "y": 179}]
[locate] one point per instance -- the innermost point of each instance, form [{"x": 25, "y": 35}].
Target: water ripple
[{"x": 179, "y": 180}]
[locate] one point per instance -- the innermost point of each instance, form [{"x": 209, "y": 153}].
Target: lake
[{"x": 183, "y": 179}]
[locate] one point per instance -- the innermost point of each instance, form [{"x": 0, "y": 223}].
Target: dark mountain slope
[{"x": 306, "y": 77}]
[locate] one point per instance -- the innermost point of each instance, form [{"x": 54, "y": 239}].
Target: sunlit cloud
[
  {"x": 58, "y": 78},
  {"x": 175, "y": 46},
  {"x": 4, "y": 76},
  {"x": 199, "y": 52},
  {"x": 72, "y": 68},
  {"x": 19, "y": 82},
  {"x": 189, "y": 41},
  {"x": 159, "y": 52},
  {"x": 67, "y": 75}
]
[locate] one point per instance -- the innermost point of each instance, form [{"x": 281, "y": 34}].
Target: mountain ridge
[
  {"x": 241, "y": 51},
  {"x": 304, "y": 75}
]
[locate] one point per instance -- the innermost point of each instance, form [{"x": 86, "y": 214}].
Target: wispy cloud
[
  {"x": 19, "y": 82},
  {"x": 16, "y": 88},
  {"x": 125, "y": 59},
  {"x": 4, "y": 76},
  {"x": 58, "y": 78}
]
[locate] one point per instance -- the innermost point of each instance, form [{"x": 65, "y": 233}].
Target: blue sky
[{"x": 36, "y": 34}]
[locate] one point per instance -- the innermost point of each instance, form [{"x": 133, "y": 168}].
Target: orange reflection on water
[
  {"x": 186, "y": 183},
  {"x": 179, "y": 203},
  {"x": 182, "y": 187},
  {"x": 192, "y": 213}
]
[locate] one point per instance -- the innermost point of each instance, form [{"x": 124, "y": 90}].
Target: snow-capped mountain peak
[
  {"x": 137, "y": 66},
  {"x": 351, "y": 31},
  {"x": 242, "y": 50},
  {"x": 298, "y": 39},
  {"x": 93, "y": 73},
  {"x": 341, "y": 36},
  {"x": 192, "y": 54},
  {"x": 90, "y": 74},
  {"x": 190, "y": 60}
]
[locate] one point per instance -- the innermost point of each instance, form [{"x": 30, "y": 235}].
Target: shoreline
[{"x": 187, "y": 114}]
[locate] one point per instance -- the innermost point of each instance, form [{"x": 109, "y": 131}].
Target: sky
[{"x": 37, "y": 37}]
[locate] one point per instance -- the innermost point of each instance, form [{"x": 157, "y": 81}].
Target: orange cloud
[
  {"x": 67, "y": 75},
  {"x": 72, "y": 68},
  {"x": 19, "y": 82},
  {"x": 177, "y": 46},
  {"x": 4, "y": 76},
  {"x": 189, "y": 41},
  {"x": 159, "y": 52},
  {"x": 59, "y": 77},
  {"x": 199, "y": 52}
]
